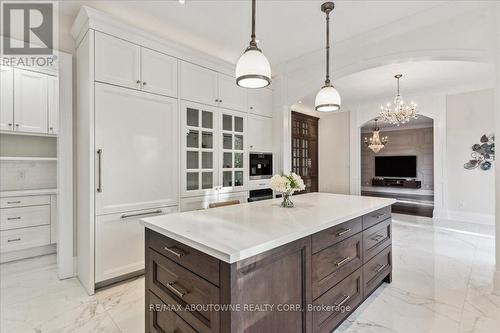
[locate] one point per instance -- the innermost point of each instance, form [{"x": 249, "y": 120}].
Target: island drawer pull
[
  {"x": 14, "y": 240},
  {"x": 344, "y": 299},
  {"x": 379, "y": 215},
  {"x": 177, "y": 252},
  {"x": 158, "y": 211},
  {"x": 380, "y": 268},
  {"x": 13, "y": 202},
  {"x": 377, "y": 238},
  {"x": 343, "y": 232},
  {"x": 343, "y": 261},
  {"x": 13, "y": 218},
  {"x": 180, "y": 293}
]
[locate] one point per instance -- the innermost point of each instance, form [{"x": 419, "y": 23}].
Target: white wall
[
  {"x": 334, "y": 153},
  {"x": 469, "y": 116}
]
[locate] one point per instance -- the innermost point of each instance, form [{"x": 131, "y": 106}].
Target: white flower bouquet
[{"x": 287, "y": 184}]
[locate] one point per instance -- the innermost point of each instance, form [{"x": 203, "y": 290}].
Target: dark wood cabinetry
[{"x": 309, "y": 285}]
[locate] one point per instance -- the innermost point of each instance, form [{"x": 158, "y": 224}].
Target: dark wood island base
[{"x": 309, "y": 285}]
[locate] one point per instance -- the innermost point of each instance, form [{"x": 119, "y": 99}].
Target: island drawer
[
  {"x": 194, "y": 260},
  {"x": 162, "y": 319},
  {"x": 334, "y": 263},
  {"x": 175, "y": 285},
  {"x": 376, "y": 270},
  {"x": 333, "y": 235},
  {"x": 375, "y": 217},
  {"x": 376, "y": 238},
  {"x": 342, "y": 299}
]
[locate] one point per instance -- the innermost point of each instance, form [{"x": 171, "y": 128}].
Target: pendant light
[
  {"x": 328, "y": 98},
  {"x": 253, "y": 69}
]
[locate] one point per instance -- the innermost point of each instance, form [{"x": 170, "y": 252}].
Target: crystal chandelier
[
  {"x": 401, "y": 113},
  {"x": 375, "y": 143}
]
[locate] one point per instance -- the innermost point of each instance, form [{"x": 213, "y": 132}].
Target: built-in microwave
[{"x": 261, "y": 165}]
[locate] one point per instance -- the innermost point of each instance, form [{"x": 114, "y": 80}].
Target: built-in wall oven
[{"x": 261, "y": 166}]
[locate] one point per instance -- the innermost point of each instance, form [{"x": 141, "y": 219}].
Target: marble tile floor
[{"x": 441, "y": 283}]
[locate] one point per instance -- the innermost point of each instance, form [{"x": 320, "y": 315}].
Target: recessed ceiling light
[{"x": 182, "y": 1}]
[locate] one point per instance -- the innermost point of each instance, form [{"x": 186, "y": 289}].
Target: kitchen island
[{"x": 257, "y": 267}]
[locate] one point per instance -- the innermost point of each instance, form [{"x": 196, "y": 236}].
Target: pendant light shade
[
  {"x": 328, "y": 98},
  {"x": 253, "y": 69}
]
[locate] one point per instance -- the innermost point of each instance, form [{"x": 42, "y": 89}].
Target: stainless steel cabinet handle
[
  {"x": 99, "y": 170},
  {"x": 343, "y": 232},
  {"x": 175, "y": 251},
  {"x": 379, "y": 215},
  {"x": 13, "y": 218},
  {"x": 377, "y": 238},
  {"x": 343, "y": 261},
  {"x": 380, "y": 268},
  {"x": 180, "y": 293},
  {"x": 158, "y": 211},
  {"x": 13, "y": 202},
  {"x": 14, "y": 240},
  {"x": 344, "y": 299}
]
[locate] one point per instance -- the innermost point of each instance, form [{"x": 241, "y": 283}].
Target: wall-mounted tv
[{"x": 396, "y": 166}]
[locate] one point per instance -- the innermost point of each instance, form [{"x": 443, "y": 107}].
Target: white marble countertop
[
  {"x": 234, "y": 233},
  {"x": 21, "y": 193}
]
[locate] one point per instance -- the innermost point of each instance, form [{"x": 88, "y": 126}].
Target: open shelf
[{"x": 24, "y": 158}]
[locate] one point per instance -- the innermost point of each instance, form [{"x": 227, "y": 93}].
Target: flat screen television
[{"x": 396, "y": 166}]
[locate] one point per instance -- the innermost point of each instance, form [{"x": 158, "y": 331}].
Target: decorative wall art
[{"x": 483, "y": 154}]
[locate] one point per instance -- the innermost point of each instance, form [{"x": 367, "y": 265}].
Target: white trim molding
[{"x": 486, "y": 219}]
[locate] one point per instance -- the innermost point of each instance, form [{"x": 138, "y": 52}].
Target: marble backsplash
[{"x": 27, "y": 175}]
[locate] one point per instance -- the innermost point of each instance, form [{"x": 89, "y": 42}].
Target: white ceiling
[{"x": 286, "y": 29}]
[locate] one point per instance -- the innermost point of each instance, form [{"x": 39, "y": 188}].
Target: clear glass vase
[{"x": 287, "y": 201}]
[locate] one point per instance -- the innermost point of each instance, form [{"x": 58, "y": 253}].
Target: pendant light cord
[
  {"x": 253, "y": 43},
  {"x": 327, "y": 81}
]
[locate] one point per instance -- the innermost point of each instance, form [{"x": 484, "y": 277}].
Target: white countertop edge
[
  {"x": 20, "y": 193},
  {"x": 261, "y": 248}
]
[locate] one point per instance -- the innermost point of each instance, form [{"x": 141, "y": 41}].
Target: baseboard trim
[
  {"x": 486, "y": 219},
  {"x": 496, "y": 283},
  {"x": 27, "y": 253}
]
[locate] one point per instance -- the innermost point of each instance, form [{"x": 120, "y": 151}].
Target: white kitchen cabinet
[
  {"x": 198, "y": 84},
  {"x": 53, "y": 104},
  {"x": 231, "y": 96},
  {"x": 135, "y": 150},
  {"x": 119, "y": 242},
  {"x": 30, "y": 101},
  {"x": 260, "y": 133},
  {"x": 6, "y": 98},
  {"x": 260, "y": 101},
  {"x": 24, "y": 238},
  {"x": 158, "y": 73},
  {"x": 117, "y": 61}
]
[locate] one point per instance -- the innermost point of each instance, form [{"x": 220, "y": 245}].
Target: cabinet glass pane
[
  {"x": 207, "y": 180},
  {"x": 238, "y": 124},
  {"x": 207, "y": 119},
  {"x": 238, "y": 142},
  {"x": 192, "y": 139},
  {"x": 207, "y": 140},
  {"x": 227, "y": 141},
  {"x": 228, "y": 161},
  {"x": 238, "y": 178},
  {"x": 227, "y": 122},
  {"x": 192, "y": 160},
  {"x": 192, "y": 181},
  {"x": 227, "y": 178},
  {"x": 238, "y": 160},
  {"x": 207, "y": 160},
  {"x": 192, "y": 117}
]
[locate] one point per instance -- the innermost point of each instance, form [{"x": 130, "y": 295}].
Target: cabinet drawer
[
  {"x": 342, "y": 299},
  {"x": 176, "y": 285},
  {"x": 204, "y": 265},
  {"x": 20, "y": 217},
  {"x": 338, "y": 233},
  {"x": 34, "y": 200},
  {"x": 334, "y": 263},
  {"x": 162, "y": 320},
  {"x": 375, "y": 217},
  {"x": 376, "y": 270},
  {"x": 20, "y": 239},
  {"x": 376, "y": 238}
]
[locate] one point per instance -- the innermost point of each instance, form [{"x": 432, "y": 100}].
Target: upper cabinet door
[
  {"x": 6, "y": 98},
  {"x": 117, "y": 61},
  {"x": 159, "y": 73},
  {"x": 260, "y": 133},
  {"x": 231, "y": 96},
  {"x": 53, "y": 104},
  {"x": 30, "y": 101},
  {"x": 260, "y": 101},
  {"x": 198, "y": 84},
  {"x": 137, "y": 139}
]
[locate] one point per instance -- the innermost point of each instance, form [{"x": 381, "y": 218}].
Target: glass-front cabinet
[{"x": 213, "y": 154}]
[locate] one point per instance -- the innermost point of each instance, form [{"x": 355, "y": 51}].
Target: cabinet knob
[
  {"x": 220, "y": 100},
  {"x": 10, "y": 124},
  {"x": 251, "y": 108},
  {"x": 51, "y": 128},
  {"x": 138, "y": 81},
  {"x": 144, "y": 83},
  {"x": 17, "y": 125}
]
